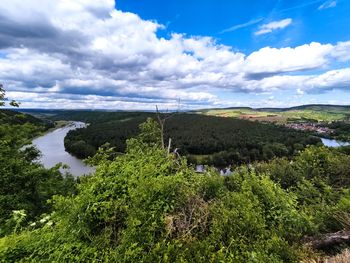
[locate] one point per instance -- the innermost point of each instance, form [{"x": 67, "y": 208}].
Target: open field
[{"x": 324, "y": 113}]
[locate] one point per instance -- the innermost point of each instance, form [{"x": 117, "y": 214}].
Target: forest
[
  {"x": 341, "y": 130},
  {"x": 203, "y": 139},
  {"x": 148, "y": 205}
]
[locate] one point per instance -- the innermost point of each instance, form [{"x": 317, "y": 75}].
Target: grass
[
  {"x": 60, "y": 124},
  {"x": 318, "y": 113},
  {"x": 343, "y": 257},
  {"x": 315, "y": 115}
]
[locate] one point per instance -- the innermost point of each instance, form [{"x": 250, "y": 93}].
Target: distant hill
[
  {"x": 315, "y": 107},
  {"x": 314, "y": 112},
  {"x": 15, "y": 117}
]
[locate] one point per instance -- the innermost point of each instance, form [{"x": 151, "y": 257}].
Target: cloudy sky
[{"x": 134, "y": 54}]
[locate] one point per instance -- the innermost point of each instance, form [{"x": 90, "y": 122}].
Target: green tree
[
  {"x": 24, "y": 184},
  {"x": 150, "y": 206},
  {"x": 3, "y": 98}
]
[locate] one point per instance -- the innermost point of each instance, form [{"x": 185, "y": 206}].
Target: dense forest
[
  {"x": 204, "y": 139},
  {"x": 148, "y": 205}
]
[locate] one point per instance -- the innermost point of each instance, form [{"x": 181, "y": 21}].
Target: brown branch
[
  {"x": 161, "y": 124},
  {"x": 161, "y": 121},
  {"x": 329, "y": 240}
]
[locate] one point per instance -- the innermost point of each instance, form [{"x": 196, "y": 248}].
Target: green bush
[{"x": 150, "y": 206}]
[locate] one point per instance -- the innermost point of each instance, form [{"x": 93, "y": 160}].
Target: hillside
[
  {"x": 318, "y": 112},
  {"x": 315, "y": 113},
  {"x": 14, "y": 117},
  {"x": 150, "y": 206}
]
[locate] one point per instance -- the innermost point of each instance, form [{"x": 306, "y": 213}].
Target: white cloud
[
  {"x": 341, "y": 51},
  {"x": 268, "y": 28},
  {"x": 270, "y": 60},
  {"x": 300, "y": 92},
  {"x": 330, "y": 80},
  {"x": 87, "y": 53},
  {"x": 328, "y": 4}
]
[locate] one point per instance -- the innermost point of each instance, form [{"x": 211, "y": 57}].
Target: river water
[
  {"x": 334, "y": 143},
  {"x": 51, "y": 146}
]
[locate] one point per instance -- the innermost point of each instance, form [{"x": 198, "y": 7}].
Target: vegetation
[
  {"x": 10, "y": 117},
  {"x": 317, "y": 113},
  {"x": 341, "y": 130},
  {"x": 204, "y": 139},
  {"x": 343, "y": 257},
  {"x": 150, "y": 206},
  {"x": 25, "y": 186},
  {"x": 3, "y": 98}
]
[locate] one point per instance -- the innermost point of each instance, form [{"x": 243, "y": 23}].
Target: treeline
[
  {"x": 150, "y": 206},
  {"x": 203, "y": 139},
  {"x": 10, "y": 117},
  {"x": 341, "y": 130}
]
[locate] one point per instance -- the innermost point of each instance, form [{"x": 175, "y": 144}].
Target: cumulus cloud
[
  {"x": 341, "y": 51},
  {"x": 330, "y": 80},
  {"x": 268, "y": 28},
  {"x": 272, "y": 60},
  {"x": 85, "y": 53}
]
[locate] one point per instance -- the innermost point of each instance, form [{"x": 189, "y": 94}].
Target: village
[{"x": 307, "y": 126}]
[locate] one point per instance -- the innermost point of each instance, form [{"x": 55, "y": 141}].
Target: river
[
  {"x": 51, "y": 146},
  {"x": 334, "y": 143}
]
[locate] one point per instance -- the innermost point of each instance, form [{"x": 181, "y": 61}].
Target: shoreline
[{"x": 58, "y": 125}]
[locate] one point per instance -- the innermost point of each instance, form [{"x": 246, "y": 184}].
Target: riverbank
[{"x": 58, "y": 125}]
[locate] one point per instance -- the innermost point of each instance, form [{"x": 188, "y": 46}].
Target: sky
[{"x": 134, "y": 55}]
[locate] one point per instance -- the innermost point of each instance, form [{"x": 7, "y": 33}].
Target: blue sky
[
  {"x": 211, "y": 17},
  {"x": 137, "y": 54}
]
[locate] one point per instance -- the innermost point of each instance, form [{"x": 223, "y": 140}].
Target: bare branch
[{"x": 161, "y": 121}]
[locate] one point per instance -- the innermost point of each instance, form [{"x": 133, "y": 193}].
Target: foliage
[
  {"x": 316, "y": 164},
  {"x": 12, "y": 103},
  {"x": 148, "y": 206},
  {"x": 341, "y": 130},
  {"x": 24, "y": 184},
  {"x": 319, "y": 177},
  {"x": 223, "y": 141}
]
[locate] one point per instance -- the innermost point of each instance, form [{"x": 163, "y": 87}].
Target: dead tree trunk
[
  {"x": 161, "y": 121},
  {"x": 330, "y": 240},
  {"x": 161, "y": 124}
]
